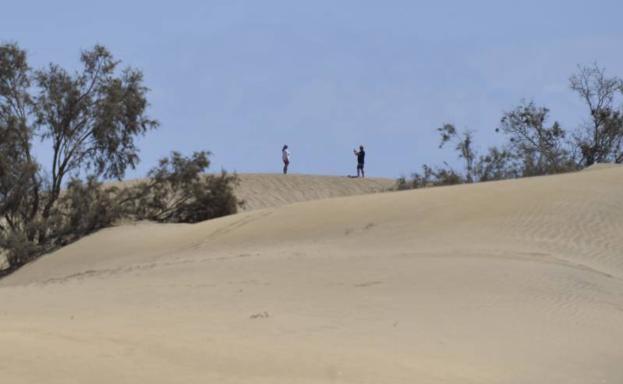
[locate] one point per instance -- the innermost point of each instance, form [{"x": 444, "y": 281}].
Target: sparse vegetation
[{"x": 533, "y": 147}]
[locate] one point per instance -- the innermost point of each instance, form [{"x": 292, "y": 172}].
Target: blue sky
[{"x": 241, "y": 78}]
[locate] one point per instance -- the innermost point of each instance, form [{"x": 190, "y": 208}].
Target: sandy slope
[
  {"x": 269, "y": 190},
  {"x": 264, "y": 190},
  {"x": 506, "y": 282}
]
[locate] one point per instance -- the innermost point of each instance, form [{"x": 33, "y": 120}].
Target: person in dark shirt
[{"x": 361, "y": 159}]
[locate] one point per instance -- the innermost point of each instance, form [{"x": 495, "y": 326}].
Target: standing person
[
  {"x": 361, "y": 159},
  {"x": 285, "y": 156}
]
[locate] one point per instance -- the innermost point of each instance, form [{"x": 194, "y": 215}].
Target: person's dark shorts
[{"x": 360, "y": 166}]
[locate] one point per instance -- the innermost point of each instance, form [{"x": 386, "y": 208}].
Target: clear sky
[{"x": 243, "y": 77}]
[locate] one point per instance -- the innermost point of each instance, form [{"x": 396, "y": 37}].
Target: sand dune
[
  {"x": 266, "y": 190},
  {"x": 506, "y": 282},
  {"x": 262, "y": 190}
]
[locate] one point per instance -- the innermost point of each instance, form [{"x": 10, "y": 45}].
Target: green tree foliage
[
  {"x": 431, "y": 177},
  {"x": 600, "y": 139},
  {"x": 91, "y": 118},
  {"x": 18, "y": 171},
  {"x": 84, "y": 207},
  {"x": 496, "y": 164},
  {"x": 178, "y": 191},
  {"x": 464, "y": 147},
  {"x": 533, "y": 147},
  {"x": 540, "y": 150}
]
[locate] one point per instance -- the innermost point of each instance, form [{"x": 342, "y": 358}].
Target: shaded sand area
[{"x": 506, "y": 282}]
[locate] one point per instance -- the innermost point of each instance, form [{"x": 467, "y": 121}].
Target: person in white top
[{"x": 285, "y": 156}]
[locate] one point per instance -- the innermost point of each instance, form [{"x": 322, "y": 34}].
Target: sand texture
[
  {"x": 506, "y": 282},
  {"x": 261, "y": 190}
]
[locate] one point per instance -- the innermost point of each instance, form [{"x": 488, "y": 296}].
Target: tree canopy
[{"x": 91, "y": 118}]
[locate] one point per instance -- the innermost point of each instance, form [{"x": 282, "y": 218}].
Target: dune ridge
[
  {"x": 503, "y": 282},
  {"x": 266, "y": 190}
]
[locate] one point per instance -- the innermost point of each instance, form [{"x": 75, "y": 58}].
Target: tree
[
  {"x": 601, "y": 138},
  {"x": 497, "y": 164},
  {"x": 92, "y": 118},
  {"x": 541, "y": 149},
  {"x": 84, "y": 207},
  {"x": 19, "y": 183},
  {"x": 483, "y": 168},
  {"x": 533, "y": 146}
]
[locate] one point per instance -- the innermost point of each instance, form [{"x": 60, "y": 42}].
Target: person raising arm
[{"x": 361, "y": 159}]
